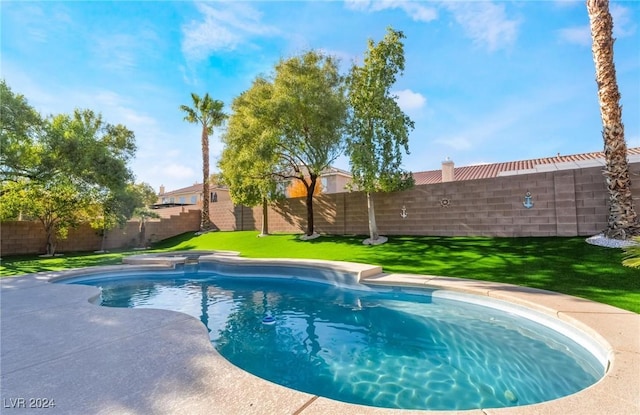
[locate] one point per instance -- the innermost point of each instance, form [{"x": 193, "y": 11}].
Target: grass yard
[{"x": 566, "y": 265}]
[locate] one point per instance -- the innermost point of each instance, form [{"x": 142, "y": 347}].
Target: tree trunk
[
  {"x": 373, "y": 227},
  {"x": 265, "y": 218},
  {"x": 310, "y": 189},
  {"x": 51, "y": 246},
  {"x": 205, "y": 222},
  {"x": 51, "y": 239},
  {"x": 103, "y": 243},
  {"x": 622, "y": 221},
  {"x": 142, "y": 230}
]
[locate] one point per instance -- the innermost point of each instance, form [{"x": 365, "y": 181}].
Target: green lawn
[{"x": 566, "y": 265}]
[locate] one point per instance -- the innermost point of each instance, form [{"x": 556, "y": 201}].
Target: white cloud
[
  {"x": 409, "y": 100},
  {"x": 345, "y": 59},
  {"x": 125, "y": 51},
  {"x": 457, "y": 143},
  {"x": 416, "y": 10},
  {"x": 178, "y": 171},
  {"x": 37, "y": 24},
  {"x": 579, "y": 35},
  {"x": 486, "y": 23},
  {"x": 476, "y": 131},
  {"x": 623, "y": 25},
  {"x": 225, "y": 26},
  {"x": 115, "y": 110},
  {"x": 172, "y": 175}
]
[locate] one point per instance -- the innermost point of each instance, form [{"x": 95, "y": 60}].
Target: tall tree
[
  {"x": 288, "y": 127},
  {"x": 95, "y": 153},
  {"x": 309, "y": 98},
  {"x": 20, "y": 128},
  {"x": 59, "y": 204},
  {"x": 114, "y": 208},
  {"x": 378, "y": 129},
  {"x": 249, "y": 162},
  {"x": 80, "y": 146},
  {"x": 623, "y": 220},
  {"x": 208, "y": 113},
  {"x": 59, "y": 170}
]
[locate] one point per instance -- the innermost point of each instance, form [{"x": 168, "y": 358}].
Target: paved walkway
[{"x": 59, "y": 349}]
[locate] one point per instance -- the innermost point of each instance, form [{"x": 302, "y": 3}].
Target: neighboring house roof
[
  {"x": 484, "y": 171},
  {"x": 334, "y": 170},
  {"x": 196, "y": 188}
]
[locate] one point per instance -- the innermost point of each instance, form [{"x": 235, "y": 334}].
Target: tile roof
[
  {"x": 196, "y": 188},
  {"x": 484, "y": 171}
]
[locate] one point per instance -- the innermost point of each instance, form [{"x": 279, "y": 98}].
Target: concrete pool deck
[{"x": 56, "y": 346}]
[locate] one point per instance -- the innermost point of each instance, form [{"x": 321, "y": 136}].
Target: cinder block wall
[
  {"x": 22, "y": 237},
  {"x": 565, "y": 203}
]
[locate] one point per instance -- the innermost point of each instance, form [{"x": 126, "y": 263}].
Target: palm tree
[
  {"x": 623, "y": 221},
  {"x": 207, "y": 112}
]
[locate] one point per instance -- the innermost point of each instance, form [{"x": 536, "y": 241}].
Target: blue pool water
[{"x": 388, "y": 348}]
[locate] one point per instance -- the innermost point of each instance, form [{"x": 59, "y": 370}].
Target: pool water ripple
[{"x": 379, "y": 348}]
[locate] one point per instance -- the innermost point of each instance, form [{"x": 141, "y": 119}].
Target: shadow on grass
[{"x": 566, "y": 265}]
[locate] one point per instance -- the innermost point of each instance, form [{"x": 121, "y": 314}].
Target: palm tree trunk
[
  {"x": 622, "y": 221},
  {"x": 205, "y": 222}
]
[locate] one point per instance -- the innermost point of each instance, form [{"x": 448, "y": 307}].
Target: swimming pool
[{"x": 387, "y": 347}]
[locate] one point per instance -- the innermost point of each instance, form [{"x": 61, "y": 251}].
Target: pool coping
[{"x": 53, "y": 347}]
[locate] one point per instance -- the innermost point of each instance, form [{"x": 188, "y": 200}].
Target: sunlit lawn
[{"x": 566, "y": 265}]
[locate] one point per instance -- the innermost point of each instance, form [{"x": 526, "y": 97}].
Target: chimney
[
  {"x": 161, "y": 190},
  {"x": 447, "y": 171}
]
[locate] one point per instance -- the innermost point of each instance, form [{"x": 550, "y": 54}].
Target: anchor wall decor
[
  {"x": 527, "y": 200},
  {"x": 404, "y": 214}
]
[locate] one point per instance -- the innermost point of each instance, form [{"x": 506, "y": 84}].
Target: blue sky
[{"x": 484, "y": 81}]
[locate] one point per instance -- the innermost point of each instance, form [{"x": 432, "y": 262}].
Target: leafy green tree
[
  {"x": 113, "y": 209},
  {"x": 107, "y": 211},
  {"x": 309, "y": 113},
  {"x": 215, "y": 179},
  {"x": 58, "y": 205},
  {"x": 144, "y": 196},
  {"x": 83, "y": 146},
  {"x": 143, "y": 214},
  {"x": 249, "y": 162},
  {"x": 20, "y": 128},
  {"x": 290, "y": 127},
  {"x": 208, "y": 113},
  {"x": 61, "y": 169},
  {"x": 378, "y": 129}
]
